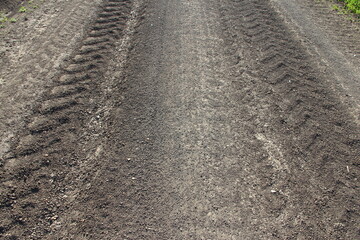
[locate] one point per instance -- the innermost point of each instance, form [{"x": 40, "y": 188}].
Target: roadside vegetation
[
  {"x": 352, "y": 5},
  {"x": 348, "y": 7}
]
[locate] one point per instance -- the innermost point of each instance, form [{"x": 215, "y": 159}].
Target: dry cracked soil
[{"x": 179, "y": 119}]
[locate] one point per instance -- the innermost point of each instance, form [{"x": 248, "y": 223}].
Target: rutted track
[
  {"x": 210, "y": 120},
  {"x": 334, "y": 45},
  {"x": 306, "y": 118},
  {"x": 31, "y": 52},
  {"x": 34, "y": 177}
]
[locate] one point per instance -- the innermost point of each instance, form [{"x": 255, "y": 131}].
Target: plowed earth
[{"x": 169, "y": 119}]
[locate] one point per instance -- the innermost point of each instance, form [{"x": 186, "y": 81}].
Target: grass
[
  {"x": 349, "y": 8},
  {"x": 352, "y": 5}
]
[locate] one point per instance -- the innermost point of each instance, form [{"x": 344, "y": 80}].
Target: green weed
[
  {"x": 23, "y": 9},
  {"x": 335, "y": 7},
  {"x": 3, "y": 19}
]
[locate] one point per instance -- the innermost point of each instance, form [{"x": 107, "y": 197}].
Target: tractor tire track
[
  {"x": 31, "y": 57},
  {"x": 334, "y": 45},
  {"x": 307, "y": 120},
  {"x": 200, "y": 119},
  {"x": 53, "y": 130}
]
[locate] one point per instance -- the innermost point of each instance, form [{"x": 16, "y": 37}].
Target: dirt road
[{"x": 180, "y": 119}]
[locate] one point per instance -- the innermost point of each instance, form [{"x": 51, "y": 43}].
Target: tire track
[
  {"x": 33, "y": 54},
  {"x": 306, "y": 119},
  {"x": 332, "y": 41},
  {"x": 35, "y": 175}
]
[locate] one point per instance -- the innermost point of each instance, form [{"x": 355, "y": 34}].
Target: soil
[
  {"x": 9, "y": 5},
  {"x": 217, "y": 119}
]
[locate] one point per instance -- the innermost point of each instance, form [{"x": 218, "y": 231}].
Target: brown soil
[
  {"x": 139, "y": 119},
  {"x": 9, "y": 5}
]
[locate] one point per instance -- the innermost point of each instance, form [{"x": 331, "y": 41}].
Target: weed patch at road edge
[{"x": 353, "y": 6}]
